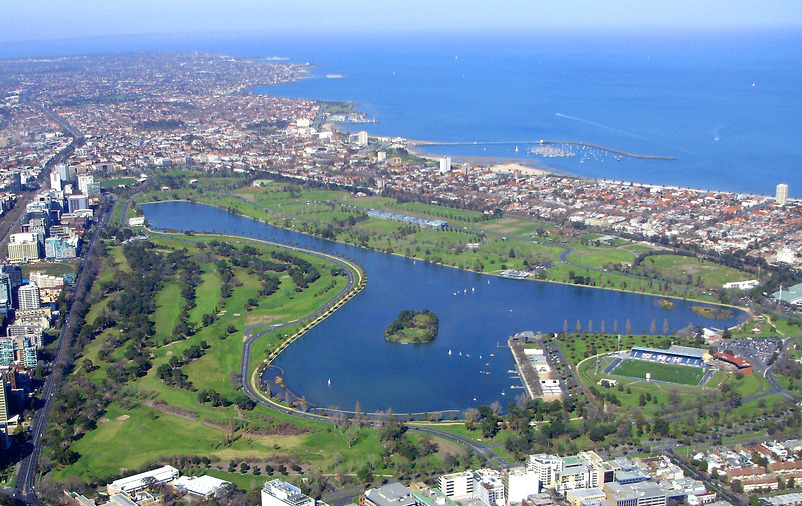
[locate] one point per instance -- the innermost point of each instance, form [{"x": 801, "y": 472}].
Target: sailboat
[
  {"x": 449, "y": 352},
  {"x": 329, "y": 381}
]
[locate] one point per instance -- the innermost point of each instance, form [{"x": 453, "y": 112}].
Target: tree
[
  {"x": 737, "y": 487},
  {"x": 660, "y": 427},
  {"x": 64, "y": 456},
  {"x": 365, "y": 474}
]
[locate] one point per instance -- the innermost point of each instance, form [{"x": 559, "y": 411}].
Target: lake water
[{"x": 476, "y": 313}]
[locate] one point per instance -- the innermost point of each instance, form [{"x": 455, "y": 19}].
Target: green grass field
[
  {"x": 169, "y": 303},
  {"x": 52, "y": 269},
  {"x": 115, "y": 182},
  {"x": 670, "y": 373},
  {"x": 693, "y": 269}
]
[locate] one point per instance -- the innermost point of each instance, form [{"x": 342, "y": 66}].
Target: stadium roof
[
  {"x": 683, "y": 351},
  {"x": 687, "y": 350},
  {"x": 791, "y": 295}
]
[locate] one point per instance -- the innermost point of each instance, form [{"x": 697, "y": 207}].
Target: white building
[
  {"x": 55, "y": 181},
  {"x": 490, "y": 487},
  {"x": 741, "y": 285},
  {"x": 362, "y": 138},
  {"x": 281, "y": 493},
  {"x": 519, "y": 483},
  {"x": 457, "y": 486},
  {"x": 782, "y": 194},
  {"x": 141, "y": 481},
  {"x": 84, "y": 180},
  {"x": 29, "y": 297},
  {"x": 45, "y": 281},
  {"x": 545, "y": 467},
  {"x": 200, "y": 486},
  {"x": 445, "y": 165},
  {"x": 24, "y": 247}
]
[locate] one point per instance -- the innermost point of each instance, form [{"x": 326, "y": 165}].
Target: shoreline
[
  {"x": 414, "y": 146},
  {"x": 747, "y": 311}
]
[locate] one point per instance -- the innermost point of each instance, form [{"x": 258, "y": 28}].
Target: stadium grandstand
[
  {"x": 678, "y": 355},
  {"x": 743, "y": 366}
]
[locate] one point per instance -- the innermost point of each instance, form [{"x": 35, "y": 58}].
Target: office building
[
  {"x": 584, "y": 495},
  {"x": 83, "y": 181},
  {"x": 518, "y": 484},
  {"x": 16, "y": 183},
  {"x": 18, "y": 351},
  {"x": 66, "y": 174},
  {"x": 545, "y": 467},
  {"x": 34, "y": 333},
  {"x": 79, "y": 201},
  {"x": 782, "y": 194},
  {"x": 432, "y": 497},
  {"x": 56, "y": 248},
  {"x": 457, "y": 486},
  {"x": 55, "y": 181},
  {"x": 24, "y": 247},
  {"x": 490, "y": 487},
  {"x": 6, "y": 303},
  {"x": 3, "y": 403},
  {"x": 281, "y": 493},
  {"x": 445, "y": 165},
  {"x": 362, "y": 138},
  {"x": 392, "y": 494},
  {"x": 29, "y": 297},
  {"x": 15, "y": 273},
  {"x": 46, "y": 281},
  {"x": 637, "y": 494}
]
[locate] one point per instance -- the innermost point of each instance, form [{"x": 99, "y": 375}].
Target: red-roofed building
[{"x": 744, "y": 366}]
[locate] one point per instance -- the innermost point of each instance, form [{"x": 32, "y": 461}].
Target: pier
[
  {"x": 544, "y": 143},
  {"x": 528, "y": 375}
]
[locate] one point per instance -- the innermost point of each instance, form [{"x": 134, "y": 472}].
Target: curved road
[{"x": 484, "y": 451}]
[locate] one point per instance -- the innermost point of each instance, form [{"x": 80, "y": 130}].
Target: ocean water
[{"x": 726, "y": 106}]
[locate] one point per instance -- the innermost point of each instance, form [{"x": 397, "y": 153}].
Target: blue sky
[{"x": 58, "y": 19}]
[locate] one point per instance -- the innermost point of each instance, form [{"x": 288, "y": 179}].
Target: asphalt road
[
  {"x": 484, "y": 451},
  {"x": 25, "y": 486}
]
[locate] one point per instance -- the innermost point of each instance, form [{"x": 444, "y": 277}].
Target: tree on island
[{"x": 413, "y": 327}]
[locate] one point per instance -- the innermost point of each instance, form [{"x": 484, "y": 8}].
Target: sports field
[{"x": 670, "y": 373}]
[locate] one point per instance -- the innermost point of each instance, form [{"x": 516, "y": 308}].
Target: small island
[
  {"x": 665, "y": 303},
  {"x": 413, "y": 327},
  {"x": 719, "y": 313}
]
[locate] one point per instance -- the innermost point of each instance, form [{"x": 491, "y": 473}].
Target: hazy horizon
[{"x": 80, "y": 19}]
